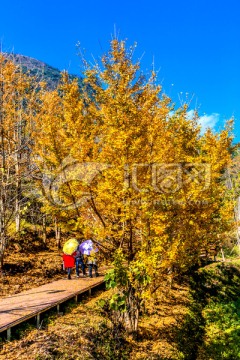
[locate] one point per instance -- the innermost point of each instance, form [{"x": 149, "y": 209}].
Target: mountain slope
[{"x": 41, "y": 70}]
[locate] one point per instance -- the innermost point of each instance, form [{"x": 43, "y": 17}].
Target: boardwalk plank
[{"x": 18, "y": 308}]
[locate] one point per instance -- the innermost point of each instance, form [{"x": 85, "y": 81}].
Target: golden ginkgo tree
[
  {"x": 136, "y": 175},
  {"x": 18, "y": 106}
]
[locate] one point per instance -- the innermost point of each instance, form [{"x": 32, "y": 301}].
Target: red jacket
[{"x": 69, "y": 260}]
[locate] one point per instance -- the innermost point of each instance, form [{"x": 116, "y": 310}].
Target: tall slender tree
[
  {"x": 18, "y": 106},
  {"x": 140, "y": 178}
]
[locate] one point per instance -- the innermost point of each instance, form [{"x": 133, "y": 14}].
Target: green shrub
[
  {"x": 222, "y": 331},
  {"x": 211, "y": 329}
]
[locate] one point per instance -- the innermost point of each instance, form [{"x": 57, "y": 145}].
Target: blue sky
[{"x": 195, "y": 44}]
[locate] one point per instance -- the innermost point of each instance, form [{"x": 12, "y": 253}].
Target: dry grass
[
  {"x": 29, "y": 265},
  {"x": 84, "y": 331}
]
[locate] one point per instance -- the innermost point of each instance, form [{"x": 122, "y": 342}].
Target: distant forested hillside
[{"x": 41, "y": 70}]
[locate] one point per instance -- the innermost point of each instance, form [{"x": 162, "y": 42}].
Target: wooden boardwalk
[{"x": 32, "y": 303}]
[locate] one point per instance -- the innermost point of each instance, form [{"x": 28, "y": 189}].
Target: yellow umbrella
[{"x": 70, "y": 246}]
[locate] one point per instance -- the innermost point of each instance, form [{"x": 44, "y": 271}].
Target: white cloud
[
  {"x": 206, "y": 121},
  {"x": 190, "y": 114}
]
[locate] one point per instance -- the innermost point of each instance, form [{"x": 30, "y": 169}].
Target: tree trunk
[
  {"x": 3, "y": 245},
  {"x": 1, "y": 261},
  {"x": 57, "y": 234},
  {"x": 223, "y": 257},
  {"x": 44, "y": 229},
  {"x": 132, "y": 313},
  {"x": 17, "y": 203},
  {"x": 17, "y": 139}
]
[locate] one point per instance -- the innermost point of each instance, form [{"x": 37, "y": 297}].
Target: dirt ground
[
  {"x": 84, "y": 331},
  {"x": 28, "y": 265}
]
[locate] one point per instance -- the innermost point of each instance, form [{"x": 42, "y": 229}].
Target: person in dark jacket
[{"x": 80, "y": 261}]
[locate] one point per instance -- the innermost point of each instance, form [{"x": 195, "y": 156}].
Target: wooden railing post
[{"x": 9, "y": 334}]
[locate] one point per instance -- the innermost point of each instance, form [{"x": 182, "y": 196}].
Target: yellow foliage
[{"x": 156, "y": 190}]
